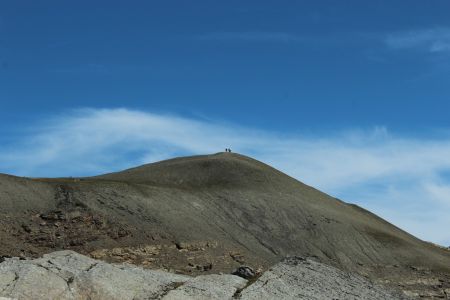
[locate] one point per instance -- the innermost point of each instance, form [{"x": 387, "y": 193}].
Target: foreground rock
[
  {"x": 68, "y": 275},
  {"x": 208, "y": 287},
  {"x": 298, "y": 278}
]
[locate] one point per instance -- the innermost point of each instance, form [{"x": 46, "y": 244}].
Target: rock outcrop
[
  {"x": 69, "y": 275},
  {"x": 299, "y": 278}
]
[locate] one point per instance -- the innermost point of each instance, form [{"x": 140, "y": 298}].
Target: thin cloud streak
[
  {"x": 436, "y": 40},
  {"x": 398, "y": 178}
]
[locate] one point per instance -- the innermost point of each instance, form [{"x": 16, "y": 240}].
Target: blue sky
[{"x": 349, "y": 96}]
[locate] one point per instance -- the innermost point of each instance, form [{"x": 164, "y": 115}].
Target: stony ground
[{"x": 68, "y": 275}]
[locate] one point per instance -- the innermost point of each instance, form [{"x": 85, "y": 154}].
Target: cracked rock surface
[
  {"x": 208, "y": 287},
  {"x": 69, "y": 275},
  {"x": 299, "y": 278}
]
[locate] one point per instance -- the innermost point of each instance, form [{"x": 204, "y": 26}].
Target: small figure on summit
[{"x": 228, "y": 150}]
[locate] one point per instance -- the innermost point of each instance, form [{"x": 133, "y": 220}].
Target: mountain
[{"x": 209, "y": 214}]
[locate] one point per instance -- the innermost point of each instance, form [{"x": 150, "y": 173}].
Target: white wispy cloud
[
  {"x": 431, "y": 40},
  {"x": 251, "y": 36},
  {"x": 402, "y": 179}
]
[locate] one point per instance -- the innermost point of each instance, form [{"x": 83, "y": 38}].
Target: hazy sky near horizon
[{"x": 349, "y": 96}]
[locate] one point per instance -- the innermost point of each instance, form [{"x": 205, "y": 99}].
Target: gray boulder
[
  {"x": 244, "y": 272},
  {"x": 299, "y": 278},
  {"x": 68, "y": 275}
]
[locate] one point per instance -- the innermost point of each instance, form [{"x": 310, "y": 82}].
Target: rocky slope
[
  {"x": 68, "y": 275},
  {"x": 210, "y": 214}
]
